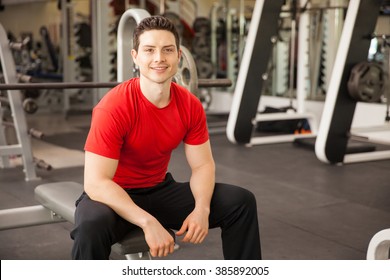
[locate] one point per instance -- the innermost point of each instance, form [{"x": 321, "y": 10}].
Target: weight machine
[
  {"x": 251, "y": 79},
  {"x": 339, "y": 108}
]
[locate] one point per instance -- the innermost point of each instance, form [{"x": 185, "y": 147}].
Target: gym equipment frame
[
  {"x": 334, "y": 130},
  {"x": 243, "y": 115},
  {"x": 15, "y": 101},
  {"x": 379, "y": 246}
]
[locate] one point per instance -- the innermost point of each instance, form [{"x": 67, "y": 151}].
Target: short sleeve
[
  {"x": 197, "y": 133},
  {"x": 105, "y": 136}
]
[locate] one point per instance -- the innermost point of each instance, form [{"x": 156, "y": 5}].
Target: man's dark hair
[{"x": 154, "y": 23}]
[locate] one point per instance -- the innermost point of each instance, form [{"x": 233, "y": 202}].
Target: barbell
[
  {"x": 204, "y": 83},
  {"x": 30, "y": 106}
]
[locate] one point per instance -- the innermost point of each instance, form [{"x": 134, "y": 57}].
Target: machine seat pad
[{"x": 60, "y": 197}]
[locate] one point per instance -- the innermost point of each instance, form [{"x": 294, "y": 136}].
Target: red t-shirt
[{"x": 128, "y": 127}]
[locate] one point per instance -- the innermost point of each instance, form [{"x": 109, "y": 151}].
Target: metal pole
[
  {"x": 162, "y": 7},
  {"x": 292, "y": 51}
]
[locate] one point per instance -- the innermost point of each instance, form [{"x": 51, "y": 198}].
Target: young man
[{"x": 134, "y": 129}]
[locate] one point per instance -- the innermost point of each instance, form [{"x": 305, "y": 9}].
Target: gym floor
[{"x": 307, "y": 209}]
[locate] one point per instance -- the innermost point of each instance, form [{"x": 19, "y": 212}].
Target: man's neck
[{"x": 157, "y": 94}]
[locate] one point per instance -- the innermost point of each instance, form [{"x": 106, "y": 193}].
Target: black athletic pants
[{"x": 232, "y": 208}]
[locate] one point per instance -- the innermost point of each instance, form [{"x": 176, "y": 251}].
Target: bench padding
[{"x": 60, "y": 197}]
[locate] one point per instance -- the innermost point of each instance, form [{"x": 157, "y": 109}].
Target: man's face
[{"x": 157, "y": 56}]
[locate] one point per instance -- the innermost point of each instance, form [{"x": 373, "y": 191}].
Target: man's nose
[{"x": 159, "y": 56}]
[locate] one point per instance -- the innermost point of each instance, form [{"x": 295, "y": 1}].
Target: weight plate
[
  {"x": 187, "y": 75},
  {"x": 366, "y": 82}
]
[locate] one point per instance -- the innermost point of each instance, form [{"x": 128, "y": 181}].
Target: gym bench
[{"x": 58, "y": 205}]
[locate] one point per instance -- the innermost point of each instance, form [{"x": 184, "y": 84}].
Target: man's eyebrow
[{"x": 152, "y": 46}]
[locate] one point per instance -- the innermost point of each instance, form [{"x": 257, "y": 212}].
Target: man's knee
[
  {"x": 236, "y": 196},
  {"x": 248, "y": 199}
]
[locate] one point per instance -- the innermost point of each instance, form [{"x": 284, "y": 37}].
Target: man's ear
[
  {"x": 134, "y": 55},
  {"x": 179, "y": 53}
]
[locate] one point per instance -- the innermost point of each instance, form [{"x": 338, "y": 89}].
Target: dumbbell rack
[{"x": 23, "y": 147}]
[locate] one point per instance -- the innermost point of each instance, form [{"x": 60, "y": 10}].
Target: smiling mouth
[{"x": 159, "y": 68}]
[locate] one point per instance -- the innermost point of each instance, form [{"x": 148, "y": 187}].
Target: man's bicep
[
  {"x": 198, "y": 155},
  {"x": 99, "y": 167}
]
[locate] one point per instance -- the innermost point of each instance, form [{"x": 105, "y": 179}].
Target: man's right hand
[{"x": 160, "y": 242}]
